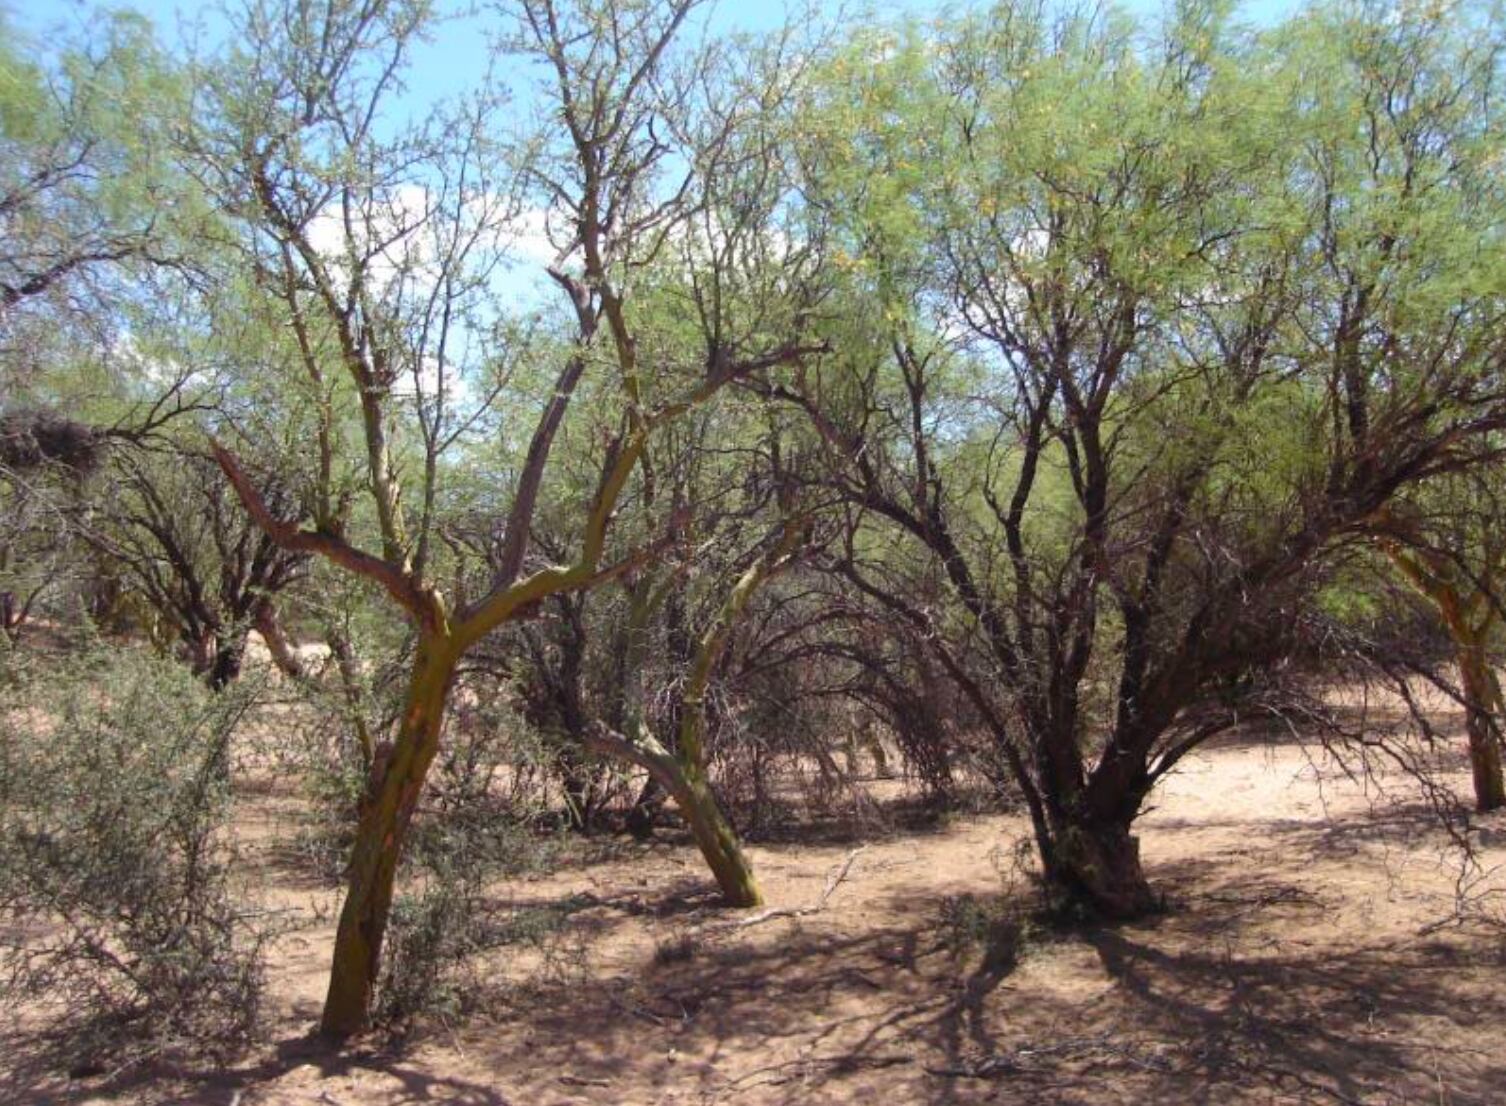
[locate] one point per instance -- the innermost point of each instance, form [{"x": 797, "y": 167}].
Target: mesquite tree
[
  {"x": 378, "y": 252},
  {"x": 1448, "y": 543},
  {"x": 680, "y": 767},
  {"x": 87, "y": 195},
  {"x": 1146, "y": 332},
  {"x": 94, "y": 225},
  {"x": 180, "y": 538}
]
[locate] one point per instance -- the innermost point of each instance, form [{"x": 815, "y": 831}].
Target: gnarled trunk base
[
  {"x": 1482, "y": 694},
  {"x": 719, "y": 845},
  {"x": 1095, "y": 868},
  {"x": 697, "y": 804}
]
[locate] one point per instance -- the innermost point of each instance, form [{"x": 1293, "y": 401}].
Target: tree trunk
[
  {"x": 645, "y": 810},
  {"x": 718, "y": 843},
  {"x": 578, "y": 782},
  {"x": 284, "y": 656},
  {"x": 229, "y": 652},
  {"x": 1482, "y": 700},
  {"x": 1095, "y": 867},
  {"x": 696, "y": 803},
  {"x": 349, "y": 671},
  {"x": 1435, "y": 577},
  {"x": 383, "y": 827},
  {"x": 198, "y": 651}
]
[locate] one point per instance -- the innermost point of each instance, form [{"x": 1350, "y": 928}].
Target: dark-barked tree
[{"x": 1137, "y": 337}]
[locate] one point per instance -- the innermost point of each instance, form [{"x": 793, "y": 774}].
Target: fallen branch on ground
[
  {"x": 790, "y": 1071},
  {"x": 580, "y": 1081},
  {"x": 834, "y": 880},
  {"x": 1018, "y": 1060}
]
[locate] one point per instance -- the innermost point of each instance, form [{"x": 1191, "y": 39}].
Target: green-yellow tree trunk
[
  {"x": 696, "y": 801},
  {"x": 718, "y": 843},
  {"x": 394, "y": 789},
  {"x": 1469, "y": 614}
]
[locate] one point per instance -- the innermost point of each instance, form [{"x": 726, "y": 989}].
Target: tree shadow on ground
[
  {"x": 189, "y": 1084},
  {"x": 1358, "y": 1026},
  {"x": 811, "y": 1011},
  {"x": 1234, "y": 996},
  {"x": 1175, "y": 1018}
]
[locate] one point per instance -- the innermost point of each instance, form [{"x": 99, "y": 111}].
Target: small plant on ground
[{"x": 117, "y": 876}]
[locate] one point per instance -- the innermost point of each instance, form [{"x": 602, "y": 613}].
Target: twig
[
  {"x": 578, "y": 1081},
  {"x": 1017, "y": 1061},
  {"x": 791, "y": 1070},
  {"x": 834, "y": 880},
  {"x": 636, "y": 1009}
]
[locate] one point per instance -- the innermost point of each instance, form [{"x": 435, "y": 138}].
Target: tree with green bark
[
  {"x": 680, "y": 766},
  {"x": 378, "y": 252},
  {"x": 1447, "y": 543}
]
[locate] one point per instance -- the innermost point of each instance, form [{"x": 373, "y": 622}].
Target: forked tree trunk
[
  {"x": 1095, "y": 867},
  {"x": 1482, "y": 695},
  {"x": 383, "y": 827},
  {"x": 283, "y": 655},
  {"x": 696, "y": 802}
]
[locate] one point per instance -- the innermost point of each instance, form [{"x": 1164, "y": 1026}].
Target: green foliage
[
  {"x": 93, "y": 201},
  {"x": 435, "y": 935},
  {"x": 1114, "y": 337},
  {"x": 444, "y": 925},
  {"x": 116, "y": 869}
]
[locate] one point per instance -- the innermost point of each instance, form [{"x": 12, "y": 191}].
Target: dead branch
[
  {"x": 834, "y": 879},
  {"x": 1019, "y": 1060}
]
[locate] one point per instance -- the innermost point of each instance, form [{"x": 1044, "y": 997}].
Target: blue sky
[{"x": 456, "y": 57}]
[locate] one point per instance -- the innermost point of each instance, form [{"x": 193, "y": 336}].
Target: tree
[
  {"x": 173, "y": 525},
  {"x": 420, "y": 221},
  {"x": 681, "y": 768},
  {"x": 96, "y": 223},
  {"x": 1121, "y": 242},
  {"x": 87, "y": 189},
  {"x": 1454, "y": 555}
]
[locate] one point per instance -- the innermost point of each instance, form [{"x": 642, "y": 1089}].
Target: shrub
[
  {"x": 432, "y": 936},
  {"x": 116, "y": 869},
  {"x": 440, "y": 929}
]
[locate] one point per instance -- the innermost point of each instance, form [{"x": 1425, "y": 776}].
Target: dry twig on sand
[
  {"x": 1021, "y": 1060},
  {"x": 834, "y": 880}
]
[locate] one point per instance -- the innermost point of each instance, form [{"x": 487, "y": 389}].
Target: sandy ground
[{"x": 1297, "y": 964}]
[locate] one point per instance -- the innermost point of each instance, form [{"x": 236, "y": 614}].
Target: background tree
[
  {"x": 1122, "y": 240},
  {"x": 1454, "y": 555},
  {"x": 174, "y": 527}
]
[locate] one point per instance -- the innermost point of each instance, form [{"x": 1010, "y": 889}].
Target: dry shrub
[
  {"x": 117, "y": 875},
  {"x": 473, "y": 828}
]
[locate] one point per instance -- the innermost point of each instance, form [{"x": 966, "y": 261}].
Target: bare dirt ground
[{"x": 1298, "y": 963}]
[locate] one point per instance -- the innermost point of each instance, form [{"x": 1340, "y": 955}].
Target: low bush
[{"x": 117, "y": 873}]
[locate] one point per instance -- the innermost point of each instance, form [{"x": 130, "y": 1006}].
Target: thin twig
[{"x": 834, "y": 879}]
